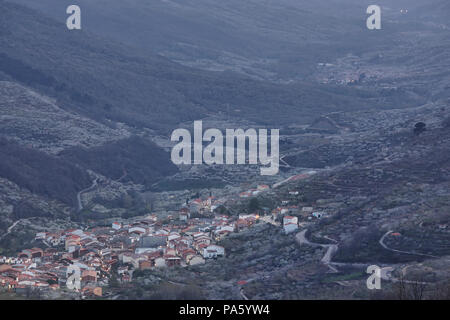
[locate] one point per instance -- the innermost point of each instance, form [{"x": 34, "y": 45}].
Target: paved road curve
[
  {"x": 331, "y": 249},
  {"x": 80, "y": 203},
  {"x": 11, "y": 227},
  {"x": 400, "y": 251}
]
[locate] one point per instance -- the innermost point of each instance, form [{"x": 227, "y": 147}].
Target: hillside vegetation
[
  {"x": 41, "y": 173},
  {"x": 110, "y": 82},
  {"x": 135, "y": 159}
]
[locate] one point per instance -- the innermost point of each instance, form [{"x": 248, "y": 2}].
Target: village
[{"x": 188, "y": 238}]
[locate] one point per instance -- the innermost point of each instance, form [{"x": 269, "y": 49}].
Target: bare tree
[
  {"x": 409, "y": 290},
  {"x": 441, "y": 291},
  {"x": 417, "y": 289},
  {"x": 400, "y": 288}
]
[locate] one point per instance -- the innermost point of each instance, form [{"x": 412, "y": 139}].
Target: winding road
[
  {"x": 80, "y": 203},
  {"x": 11, "y": 227},
  {"x": 385, "y": 273},
  {"x": 331, "y": 249},
  {"x": 241, "y": 292},
  {"x": 401, "y": 251}
]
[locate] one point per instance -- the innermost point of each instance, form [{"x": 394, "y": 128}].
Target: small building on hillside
[
  {"x": 318, "y": 215},
  {"x": 116, "y": 225},
  {"x": 213, "y": 251},
  {"x": 290, "y": 224}
]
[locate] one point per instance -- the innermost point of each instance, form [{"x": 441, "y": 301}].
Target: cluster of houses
[
  {"x": 202, "y": 205},
  {"x": 119, "y": 249},
  {"x": 36, "y": 268},
  {"x": 290, "y": 214},
  {"x": 189, "y": 238}
]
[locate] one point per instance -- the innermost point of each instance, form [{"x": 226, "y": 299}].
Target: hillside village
[
  {"x": 86, "y": 177},
  {"x": 362, "y": 198},
  {"x": 104, "y": 253}
]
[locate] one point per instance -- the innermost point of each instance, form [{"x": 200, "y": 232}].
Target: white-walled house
[
  {"x": 160, "y": 262},
  {"x": 290, "y": 224},
  {"x": 290, "y": 219},
  {"x": 290, "y": 227},
  {"x": 40, "y": 236},
  {"x": 137, "y": 230},
  {"x": 213, "y": 251},
  {"x": 116, "y": 225},
  {"x": 173, "y": 236},
  {"x": 229, "y": 228}
]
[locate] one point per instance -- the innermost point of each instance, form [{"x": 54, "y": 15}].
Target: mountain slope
[
  {"x": 35, "y": 120},
  {"x": 42, "y": 174},
  {"x": 135, "y": 159},
  {"x": 254, "y": 37},
  {"x": 110, "y": 82}
]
